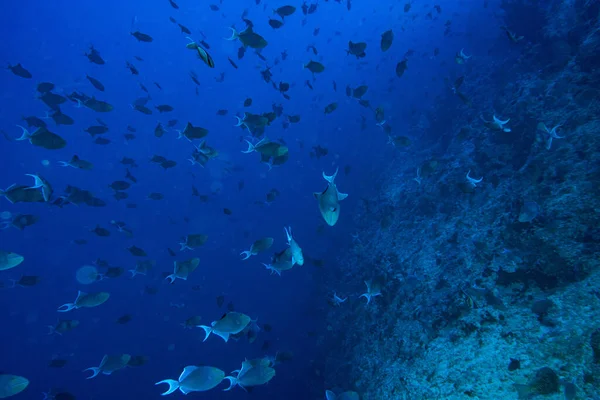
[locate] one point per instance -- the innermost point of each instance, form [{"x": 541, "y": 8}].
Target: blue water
[{"x": 50, "y": 41}]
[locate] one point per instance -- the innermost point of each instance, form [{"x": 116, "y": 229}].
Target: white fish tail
[
  {"x": 366, "y": 296},
  {"x": 66, "y": 307},
  {"x": 233, "y": 381},
  {"x": 173, "y": 386},
  {"x": 234, "y": 34},
  {"x": 251, "y": 148},
  {"x": 95, "y": 372},
  {"x": 65, "y": 164},
  {"x": 37, "y": 182},
  {"x": 246, "y": 254},
  {"x": 25, "y": 134},
  {"x": 331, "y": 178},
  {"x": 171, "y": 277},
  {"x": 207, "y": 330}
]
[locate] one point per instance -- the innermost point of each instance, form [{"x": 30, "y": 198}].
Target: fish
[
  {"x": 20, "y": 71},
  {"x": 387, "y": 38},
  {"x": 94, "y": 56},
  {"x": 142, "y": 37},
  {"x": 275, "y": 23},
  {"x": 95, "y": 83},
  {"x": 164, "y": 108},
  {"x": 202, "y": 53},
  {"x": 314, "y": 67},
  {"x": 96, "y": 130},
  {"x": 230, "y": 324},
  {"x": 9, "y": 260},
  {"x": 253, "y": 373},
  {"x": 85, "y": 300},
  {"x": 258, "y": 246},
  {"x": 401, "y": 67},
  {"x": 285, "y": 11},
  {"x": 331, "y": 107},
  {"x": 11, "y": 385},
  {"x": 194, "y": 379},
  {"x": 44, "y": 87},
  {"x": 136, "y": 251},
  {"x": 233, "y": 64},
  {"x": 26, "y": 281},
  {"x": 184, "y": 29},
  {"x": 248, "y": 38},
  {"x": 63, "y": 326},
  {"x": 123, "y": 319},
  {"x": 100, "y": 231},
  {"x": 57, "y": 363},
  {"x": 191, "y": 132},
  {"x": 60, "y": 118},
  {"x": 357, "y": 49},
  {"x": 42, "y": 137},
  {"x": 182, "y": 269},
  {"x": 329, "y": 200},
  {"x": 109, "y": 364}
]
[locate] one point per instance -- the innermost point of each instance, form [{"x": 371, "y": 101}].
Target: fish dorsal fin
[
  {"x": 103, "y": 362},
  {"x": 80, "y": 295},
  {"x": 186, "y": 372},
  {"x": 329, "y": 395},
  {"x": 75, "y": 158},
  {"x": 341, "y": 196}
]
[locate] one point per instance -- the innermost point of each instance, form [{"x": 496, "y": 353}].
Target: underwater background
[{"x": 464, "y": 263}]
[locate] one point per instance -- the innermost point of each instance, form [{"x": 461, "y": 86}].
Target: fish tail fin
[
  {"x": 37, "y": 182},
  {"x": 64, "y": 163},
  {"x": 173, "y": 386},
  {"x": 234, "y": 34},
  {"x": 207, "y": 330},
  {"x": 246, "y": 254},
  {"x": 172, "y": 278},
  {"x": 25, "y": 134},
  {"x": 331, "y": 178},
  {"x": 251, "y": 148},
  {"x": 66, "y": 307},
  {"x": 95, "y": 372},
  {"x": 240, "y": 121},
  {"x": 366, "y": 296},
  {"x": 232, "y": 382}
]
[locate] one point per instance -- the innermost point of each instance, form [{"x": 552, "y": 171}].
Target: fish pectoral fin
[
  {"x": 341, "y": 196},
  {"x": 317, "y": 195}
]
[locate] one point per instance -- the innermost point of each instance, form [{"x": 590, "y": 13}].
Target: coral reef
[{"x": 491, "y": 285}]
